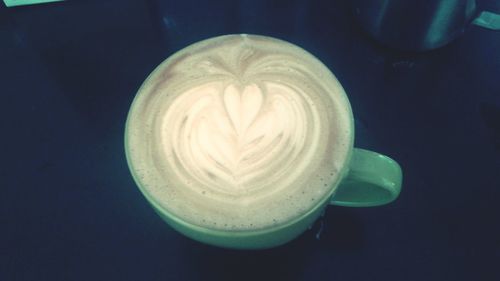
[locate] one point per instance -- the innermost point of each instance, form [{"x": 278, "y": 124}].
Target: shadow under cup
[{"x": 363, "y": 179}]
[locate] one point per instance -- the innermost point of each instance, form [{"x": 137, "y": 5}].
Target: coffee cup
[{"x": 241, "y": 141}]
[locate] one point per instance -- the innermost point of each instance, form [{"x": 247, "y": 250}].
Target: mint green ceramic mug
[{"x": 241, "y": 141}]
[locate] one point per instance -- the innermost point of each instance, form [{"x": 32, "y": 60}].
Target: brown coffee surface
[{"x": 239, "y": 132}]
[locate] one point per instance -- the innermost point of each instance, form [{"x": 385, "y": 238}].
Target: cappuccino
[{"x": 239, "y": 133}]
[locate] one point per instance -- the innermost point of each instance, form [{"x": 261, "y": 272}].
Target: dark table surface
[{"x": 69, "y": 209}]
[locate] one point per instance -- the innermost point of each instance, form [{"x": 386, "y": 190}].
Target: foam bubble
[{"x": 239, "y": 132}]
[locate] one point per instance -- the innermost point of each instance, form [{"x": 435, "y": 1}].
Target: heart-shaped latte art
[{"x": 232, "y": 135}]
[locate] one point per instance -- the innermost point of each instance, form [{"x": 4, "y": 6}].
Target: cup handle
[
  {"x": 373, "y": 179},
  {"x": 488, "y": 20}
]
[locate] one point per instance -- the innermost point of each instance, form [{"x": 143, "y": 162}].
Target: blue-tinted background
[{"x": 69, "y": 209}]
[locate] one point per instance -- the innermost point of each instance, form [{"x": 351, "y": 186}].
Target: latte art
[
  {"x": 239, "y": 132},
  {"x": 237, "y": 138}
]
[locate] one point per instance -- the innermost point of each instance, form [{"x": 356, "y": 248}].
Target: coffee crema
[{"x": 239, "y": 132}]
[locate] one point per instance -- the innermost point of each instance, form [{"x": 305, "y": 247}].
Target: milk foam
[{"x": 239, "y": 132}]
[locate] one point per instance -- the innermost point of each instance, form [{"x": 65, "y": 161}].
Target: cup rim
[{"x": 252, "y": 232}]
